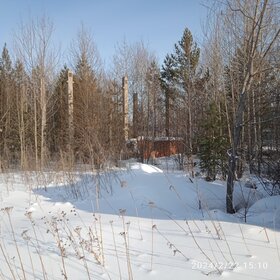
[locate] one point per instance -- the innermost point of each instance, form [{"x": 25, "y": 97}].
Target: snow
[
  {"x": 139, "y": 222},
  {"x": 146, "y": 168},
  {"x": 266, "y": 210}
]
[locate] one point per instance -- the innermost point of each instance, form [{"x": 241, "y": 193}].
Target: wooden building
[{"x": 159, "y": 147}]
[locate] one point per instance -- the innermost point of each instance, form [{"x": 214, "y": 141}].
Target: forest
[{"x": 221, "y": 97}]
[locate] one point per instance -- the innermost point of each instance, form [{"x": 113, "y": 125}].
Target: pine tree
[
  {"x": 179, "y": 74},
  {"x": 168, "y": 74}
]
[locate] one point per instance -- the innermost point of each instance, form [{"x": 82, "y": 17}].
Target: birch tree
[
  {"x": 33, "y": 45},
  {"x": 253, "y": 27}
]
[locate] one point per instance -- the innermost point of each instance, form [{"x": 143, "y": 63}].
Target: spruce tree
[
  {"x": 212, "y": 145},
  {"x": 8, "y": 135},
  {"x": 58, "y": 123}
]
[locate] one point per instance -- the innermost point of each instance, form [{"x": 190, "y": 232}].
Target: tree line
[{"x": 221, "y": 98}]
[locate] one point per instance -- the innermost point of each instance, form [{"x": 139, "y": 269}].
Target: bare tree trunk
[
  {"x": 125, "y": 107},
  {"x": 148, "y": 114},
  {"x": 43, "y": 123},
  {"x": 190, "y": 136},
  {"x": 228, "y": 120},
  {"x": 36, "y": 131},
  {"x": 70, "y": 111},
  {"x": 154, "y": 115},
  {"x": 34, "y": 50},
  {"x": 253, "y": 40},
  {"x": 236, "y": 139},
  {"x": 250, "y": 148},
  {"x": 167, "y": 115},
  {"x": 111, "y": 109},
  {"x": 135, "y": 114},
  {"x": 21, "y": 121}
]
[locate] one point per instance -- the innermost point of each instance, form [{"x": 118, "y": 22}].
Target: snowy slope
[{"x": 140, "y": 223}]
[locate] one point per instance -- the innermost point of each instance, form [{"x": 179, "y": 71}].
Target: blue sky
[{"x": 159, "y": 23}]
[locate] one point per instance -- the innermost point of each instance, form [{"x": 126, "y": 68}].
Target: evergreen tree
[
  {"x": 9, "y": 139},
  {"x": 90, "y": 118},
  {"x": 180, "y": 82},
  {"x": 212, "y": 145},
  {"x": 168, "y": 74},
  {"x": 58, "y": 123}
]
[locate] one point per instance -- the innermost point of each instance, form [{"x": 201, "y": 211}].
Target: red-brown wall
[{"x": 161, "y": 148}]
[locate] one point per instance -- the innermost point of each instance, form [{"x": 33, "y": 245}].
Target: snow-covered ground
[{"x": 144, "y": 222}]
